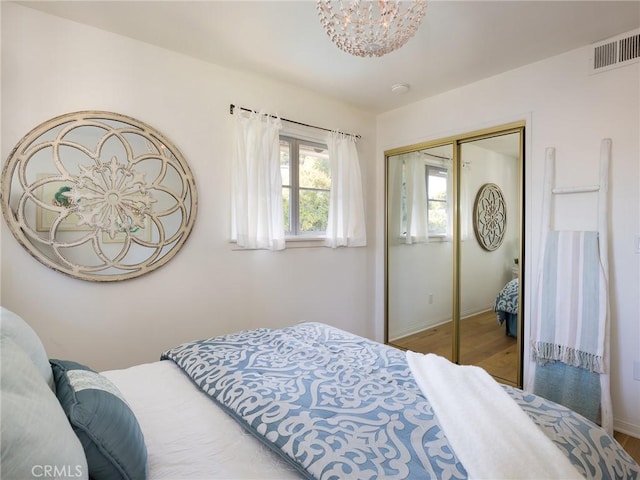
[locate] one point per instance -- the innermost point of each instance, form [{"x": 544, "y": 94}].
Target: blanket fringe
[{"x": 545, "y": 352}]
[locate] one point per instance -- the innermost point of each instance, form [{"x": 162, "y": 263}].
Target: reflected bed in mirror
[{"x": 98, "y": 196}]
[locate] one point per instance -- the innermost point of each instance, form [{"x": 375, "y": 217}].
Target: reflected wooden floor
[{"x": 482, "y": 342}]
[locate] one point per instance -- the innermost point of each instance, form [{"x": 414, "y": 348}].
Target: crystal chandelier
[{"x": 370, "y": 28}]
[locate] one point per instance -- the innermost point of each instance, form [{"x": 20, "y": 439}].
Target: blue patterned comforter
[
  {"x": 507, "y": 301},
  {"x": 339, "y": 406}
]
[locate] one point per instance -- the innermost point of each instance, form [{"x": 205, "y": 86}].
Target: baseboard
[
  {"x": 420, "y": 326},
  {"x": 626, "y": 428},
  {"x": 416, "y": 328}
]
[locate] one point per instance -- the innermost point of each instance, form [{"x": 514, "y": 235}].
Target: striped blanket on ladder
[{"x": 569, "y": 322}]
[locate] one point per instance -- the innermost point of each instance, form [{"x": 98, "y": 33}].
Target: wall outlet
[
  {"x": 430, "y": 298},
  {"x": 636, "y": 370}
]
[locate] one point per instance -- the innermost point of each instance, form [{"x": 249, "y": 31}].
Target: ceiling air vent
[{"x": 615, "y": 52}]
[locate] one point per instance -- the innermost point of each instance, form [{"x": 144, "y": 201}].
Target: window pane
[
  {"x": 314, "y": 210},
  {"x": 314, "y": 167},
  {"x": 437, "y": 217},
  {"x": 437, "y": 187},
  {"x": 286, "y": 208},
  {"x": 285, "y": 162}
]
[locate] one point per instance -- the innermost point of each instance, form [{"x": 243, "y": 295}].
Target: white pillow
[
  {"x": 14, "y": 327},
  {"x": 36, "y": 438}
]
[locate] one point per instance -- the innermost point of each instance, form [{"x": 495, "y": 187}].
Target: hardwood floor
[
  {"x": 482, "y": 342},
  {"x": 630, "y": 444}
]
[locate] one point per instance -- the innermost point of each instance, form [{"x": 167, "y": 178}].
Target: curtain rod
[
  {"x": 436, "y": 156},
  {"x": 232, "y": 107}
]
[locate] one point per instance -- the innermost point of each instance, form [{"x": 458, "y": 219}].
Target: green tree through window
[
  {"x": 437, "y": 211},
  {"x": 306, "y": 184}
]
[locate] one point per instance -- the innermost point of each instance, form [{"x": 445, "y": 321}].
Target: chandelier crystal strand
[{"x": 370, "y": 28}]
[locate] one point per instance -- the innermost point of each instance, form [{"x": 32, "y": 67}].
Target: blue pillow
[{"x": 107, "y": 428}]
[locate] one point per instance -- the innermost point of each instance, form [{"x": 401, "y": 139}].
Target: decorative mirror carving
[
  {"x": 98, "y": 196},
  {"x": 490, "y": 216}
]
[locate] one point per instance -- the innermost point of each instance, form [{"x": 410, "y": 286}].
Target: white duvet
[{"x": 187, "y": 436}]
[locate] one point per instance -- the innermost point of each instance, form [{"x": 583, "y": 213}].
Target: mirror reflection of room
[
  {"x": 464, "y": 310},
  {"x": 420, "y": 253},
  {"x": 489, "y": 254}
]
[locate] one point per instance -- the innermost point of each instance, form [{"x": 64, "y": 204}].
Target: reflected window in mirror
[
  {"x": 424, "y": 209},
  {"x": 438, "y": 191}
]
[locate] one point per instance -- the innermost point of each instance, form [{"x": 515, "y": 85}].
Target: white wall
[
  {"x": 52, "y": 66},
  {"x": 482, "y": 273},
  {"x": 416, "y": 272},
  {"x": 571, "y": 110}
]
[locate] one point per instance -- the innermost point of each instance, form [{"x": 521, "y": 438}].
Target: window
[
  {"x": 306, "y": 184},
  {"x": 437, "y": 208}
]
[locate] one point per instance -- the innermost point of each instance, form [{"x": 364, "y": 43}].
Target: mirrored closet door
[
  {"x": 419, "y": 249},
  {"x": 453, "y": 249}
]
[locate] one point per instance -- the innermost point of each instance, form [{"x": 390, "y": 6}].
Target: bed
[
  {"x": 506, "y": 307},
  {"x": 306, "y": 401}
]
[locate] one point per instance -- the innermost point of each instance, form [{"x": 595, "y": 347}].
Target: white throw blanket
[{"x": 490, "y": 434}]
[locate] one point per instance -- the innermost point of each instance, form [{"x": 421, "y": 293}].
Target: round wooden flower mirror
[
  {"x": 98, "y": 196},
  {"x": 490, "y": 216}
]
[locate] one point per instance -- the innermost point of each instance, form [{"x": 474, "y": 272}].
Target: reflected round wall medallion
[
  {"x": 490, "y": 216},
  {"x": 98, "y": 196}
]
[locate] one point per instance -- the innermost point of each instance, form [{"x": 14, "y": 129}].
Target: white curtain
[
  {"x": 465, "y": 202},
  {"x": 257, "y": 219},
  {"x": 395, "y": 193},
  {"x": 417, "y": 219},
  {"x": 346, "y": 224}
]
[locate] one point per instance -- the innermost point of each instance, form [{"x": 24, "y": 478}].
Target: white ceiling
[{"x": 458, "y": 43}]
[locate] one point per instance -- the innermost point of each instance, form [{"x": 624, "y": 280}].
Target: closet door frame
[{"x": 456, "y": 141}]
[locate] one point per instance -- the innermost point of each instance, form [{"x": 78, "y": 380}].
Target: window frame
[{"x": 292, "y": 231}]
